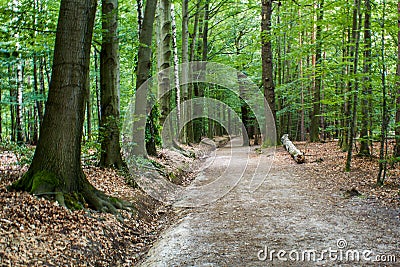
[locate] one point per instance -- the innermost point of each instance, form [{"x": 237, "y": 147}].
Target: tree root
[{"x": 46, "y": 184}]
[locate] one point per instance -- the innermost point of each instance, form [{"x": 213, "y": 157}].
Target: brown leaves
[
  {"x": 37, "y": 232},
  {"x": 329, "y": 173}
]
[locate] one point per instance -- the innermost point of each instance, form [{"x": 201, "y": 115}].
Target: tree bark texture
[
  {"x": 110, "y": 155},
  {"x": 56, "y": 166},
  {"x": 266, "y": 55}
]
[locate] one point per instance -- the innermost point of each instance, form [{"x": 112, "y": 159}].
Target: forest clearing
[{"x": 199, "y": 133}]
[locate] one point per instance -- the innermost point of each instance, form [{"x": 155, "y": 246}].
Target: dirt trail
[{"x": 285, "y": 213}]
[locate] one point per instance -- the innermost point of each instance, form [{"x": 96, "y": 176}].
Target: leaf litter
[{"x": 37, "y": 232}]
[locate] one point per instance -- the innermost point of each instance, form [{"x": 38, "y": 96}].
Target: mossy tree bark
[
  {"x": 56, "y": 169},
  {"x": 109, "y": 88}
]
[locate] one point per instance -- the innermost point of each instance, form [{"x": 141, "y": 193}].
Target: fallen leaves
[
  {"x": 37, "y": 232},
  {"x": 329, "y": 173}
]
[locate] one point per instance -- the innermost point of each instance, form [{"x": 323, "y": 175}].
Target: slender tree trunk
[
  {"x": 176, "y": 67},
  {"x": 164, "y": 57},
  {"x": 19, "y": 112},
  {"x": 397, "y": 145},
  {"x": 185, "y": 61},
  {"x": 357, "y": 30},
  {"x": 89, "y": 117},
  {"x": 189, "y": 129},
  {"x": 110, "y": 155},
  {"x": 244, "y": 108},
  {"x": 97, "y": 88},
  {"x": 42, "y": 92},
  {"x": 367, "y": 87},
  {"x": 315, "y": 116},
  {"x": 266, "y": 55},
  {"x": 56, "y": 166},
  {"x": 140, "y": 15},
  {"x": 35, "y": 136},
  {"x": 13, "y": 101},
  {"x": 385, "y": 117},
  {"x": 1, "y": 118},
  {"x": 143, "y": 73}
]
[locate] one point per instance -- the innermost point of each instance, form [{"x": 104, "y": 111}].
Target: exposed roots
[{"x": 46, "y": 184}]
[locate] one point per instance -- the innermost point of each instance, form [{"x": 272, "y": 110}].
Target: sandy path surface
[{"x": 285, "y": 222}]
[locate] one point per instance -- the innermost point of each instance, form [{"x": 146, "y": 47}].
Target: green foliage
[
  {"x": 23, "y": 153},
  {"x": 91, "y": 152}
]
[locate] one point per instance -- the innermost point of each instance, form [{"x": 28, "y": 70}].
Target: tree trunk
[
  {"x": 140, "y": 15},
  {"x": 164, "y": 57},
  {"x": 110, "y": 155},
  {"x": 397, "y": 145},
  {"x": 56, "y": 167},
  {"x": 356, "y": 34},
  {"x": 315, "y": 116},
  {"x": 143, "y": 73},
  {"x": 385, "y": 117},
  {"x": 296, "y": 154},
  {"x": 19, "y": 113},
  {"x": 367, "y": 86},
  {"x": 41, "y": 92},
  {"x": 244, "y": 108},
  {"x": 185, "y": 61},
  {"x": 37, "y": 107},
  {"x": 266, "y": 55},
  {"x": 176, "y": 67}
]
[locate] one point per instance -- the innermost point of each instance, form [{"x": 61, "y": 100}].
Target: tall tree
[
  {"x": 317, "y": 83},
  {"x": 19, "y": 112},
  {"x": 385, "y": 116},
  {"x": 164, "y": 56},
  {"x": 266, "y": 56},
  {"x": 110, "y": 155},
  {"x": 56, "y": 169},
  {"x": 367, "y": 86},
  {"x": 357, "y": 17},
  {"x": 397, "y": 145},
  {"x": 185, "y": 61},
  {"x": 143, "y": 74}
]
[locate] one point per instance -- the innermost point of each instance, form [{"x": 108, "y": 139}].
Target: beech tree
[
  {"x": 56, "y": 170},
  {"x": 109, "y": 88},
  {"x": 266, "y": 55},
  {"x": 143, "y": 73}
]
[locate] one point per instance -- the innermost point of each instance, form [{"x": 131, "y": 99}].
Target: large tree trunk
[
  {"x": 143, "y": 73},
  {"x": 109, "y": 88},
  {"x": 266, "y": 55},
  {"x": 56, "y": 167}
]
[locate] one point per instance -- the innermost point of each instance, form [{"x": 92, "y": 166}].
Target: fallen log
[{"x": 296, "y": 154}]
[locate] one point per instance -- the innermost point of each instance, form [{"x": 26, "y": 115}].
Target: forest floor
[
  {"x": 298, "y": 207},
  {"x": 302, "y": 215}
]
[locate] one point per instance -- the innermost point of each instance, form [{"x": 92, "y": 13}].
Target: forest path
[{"x": 285, "y": 213}]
